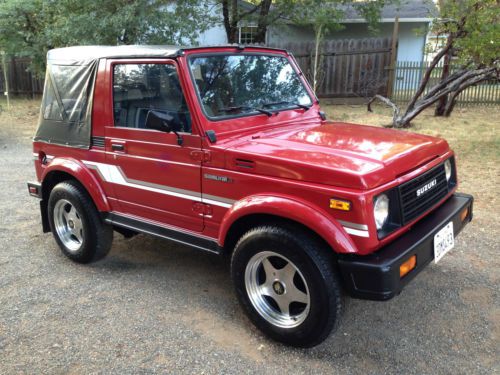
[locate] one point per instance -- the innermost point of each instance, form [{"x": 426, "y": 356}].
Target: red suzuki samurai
[{"x": 225, "y": 149}]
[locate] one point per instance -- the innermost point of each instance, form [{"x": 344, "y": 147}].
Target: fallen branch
[
  {"x": 383, "y": 99},
  {"x": 453, "y": 85}
]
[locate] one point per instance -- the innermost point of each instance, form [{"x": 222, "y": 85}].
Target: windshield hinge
[{"x": 212, "y": 137}]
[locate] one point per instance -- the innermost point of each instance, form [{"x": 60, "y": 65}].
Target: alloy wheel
[
  {"x": 68, "y": 225},
  {"x": 277, "y": 289}
]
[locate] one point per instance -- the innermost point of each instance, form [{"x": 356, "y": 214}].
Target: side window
[{"x": 139, "y": 88}]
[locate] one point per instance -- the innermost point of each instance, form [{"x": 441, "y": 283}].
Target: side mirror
[
  {"x": 162, "y": 121},
  {"x": 159, "y": 121}
]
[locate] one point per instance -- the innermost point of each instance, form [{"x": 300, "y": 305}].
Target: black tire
[
  {"x": 315, "y": 264},
  {"x": 95, "y": 236}
]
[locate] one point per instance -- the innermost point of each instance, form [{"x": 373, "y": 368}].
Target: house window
[{"x": 247, "y": 34}]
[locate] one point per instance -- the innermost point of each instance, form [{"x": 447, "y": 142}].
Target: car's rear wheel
[
  {"x": 76, "y": 225},
  {"x": 286, "y": 281}
]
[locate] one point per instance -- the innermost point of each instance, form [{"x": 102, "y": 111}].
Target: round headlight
[
  {"x": 381, "y": 210},
  {"x": 447, "y": 169}
]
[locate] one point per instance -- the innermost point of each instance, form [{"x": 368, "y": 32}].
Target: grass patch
[{"x": 22, "y": 118}]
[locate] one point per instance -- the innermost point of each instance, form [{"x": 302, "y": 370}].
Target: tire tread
[
  {"x": 321, "y": 255},
  {"x": 101, "y": 237}
]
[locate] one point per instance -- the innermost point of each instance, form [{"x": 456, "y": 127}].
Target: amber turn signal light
[
  {"x": 407, "y": 266},
  {"x": 339, "y": 204},
  {"x": 464, "y": 214}
]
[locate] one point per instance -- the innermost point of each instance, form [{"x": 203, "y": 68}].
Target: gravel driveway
[{"x": 154, "y": 307}]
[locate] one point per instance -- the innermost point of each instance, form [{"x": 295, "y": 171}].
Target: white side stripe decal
[{"x": 113, "y": 174}]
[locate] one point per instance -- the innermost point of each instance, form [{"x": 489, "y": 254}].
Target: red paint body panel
[
  {"x": 294, "y": 209},
  {"x": 288, "y": 165},
  {"x": 75, "y": 168},
  {"x": 337, "y": 154}
]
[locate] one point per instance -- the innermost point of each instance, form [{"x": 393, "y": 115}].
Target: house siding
[{"x": 213, "y": 36}]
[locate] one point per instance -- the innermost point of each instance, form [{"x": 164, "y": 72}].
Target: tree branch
[
  {"x": 388, "y": 102},
  {"x": 234, "y": 13},
  {"x": 466, "y": 80},
  {"x": 446, "y": 49},
  {"x": 433, "y": 90},
  {"x": 249, "y": 12},
  {"x": 225, "y": 15},
  {"x": 427, "y": 75}
]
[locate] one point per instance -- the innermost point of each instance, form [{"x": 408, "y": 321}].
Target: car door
[{"x": 156, "y": 175}]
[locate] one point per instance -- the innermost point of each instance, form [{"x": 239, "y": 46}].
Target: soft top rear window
[
  {"x": 65, "y": 116},
  {"x": 70, "y": 84}
]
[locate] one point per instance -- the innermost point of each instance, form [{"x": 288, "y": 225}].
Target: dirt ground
[{"x": 156, "y": 307}]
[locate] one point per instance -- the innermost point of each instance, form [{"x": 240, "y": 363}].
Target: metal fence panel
[{"x": 409, "y": 74}]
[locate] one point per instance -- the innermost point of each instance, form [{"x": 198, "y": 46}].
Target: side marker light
[
  {"x": 339, "y": 204},
  {"x": 407, "y": 266}
]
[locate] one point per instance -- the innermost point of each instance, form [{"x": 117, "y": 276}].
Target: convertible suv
[{"x": 225, "y": 149}]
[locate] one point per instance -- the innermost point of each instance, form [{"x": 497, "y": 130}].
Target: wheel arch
[
  {"x": 62, "y": 169},
  {"x": 261, "y": 210}
]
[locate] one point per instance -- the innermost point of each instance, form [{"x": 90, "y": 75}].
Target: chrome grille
[{"x": 414, "y": 205}]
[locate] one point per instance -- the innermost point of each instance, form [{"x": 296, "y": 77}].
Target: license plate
[{"x": 444, "y": 241}]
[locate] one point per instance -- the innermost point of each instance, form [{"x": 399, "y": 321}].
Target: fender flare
[
  {"x": 83, "y": 175},
  {"x": 293, "y": 209}
]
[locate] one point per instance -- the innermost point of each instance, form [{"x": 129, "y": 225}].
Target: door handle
[{"x": 117, "y": 147}]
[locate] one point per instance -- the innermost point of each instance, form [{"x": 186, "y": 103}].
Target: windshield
[{"x": 232, "y": 85}]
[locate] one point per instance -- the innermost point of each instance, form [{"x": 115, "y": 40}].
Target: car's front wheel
[
  {"x": 285, "y": 280},
  {"x": 75, "y": 223}
]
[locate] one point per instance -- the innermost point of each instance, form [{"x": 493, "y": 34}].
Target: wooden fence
[
  {"x": 409, "y": 74},
  {"x": 348, "y": 67},
  {"x": 21, "y": 80}
]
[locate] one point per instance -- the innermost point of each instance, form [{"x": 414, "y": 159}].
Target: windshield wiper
[
  {"x": 243, "y": 107},
  {"x": 303, "y": 106}
]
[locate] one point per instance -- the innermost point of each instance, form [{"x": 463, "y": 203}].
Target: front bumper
[{"x": 376, "y": 276}]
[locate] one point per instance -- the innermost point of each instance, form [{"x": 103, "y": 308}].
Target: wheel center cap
[
  {"x": 71, "y": 224},
  {"x": 278, "y": 287}
]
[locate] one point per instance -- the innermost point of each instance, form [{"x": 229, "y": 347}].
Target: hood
[{"x": 334, "y": 153}]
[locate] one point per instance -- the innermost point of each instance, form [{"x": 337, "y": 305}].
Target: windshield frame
[{"x": 290, "y": 60}]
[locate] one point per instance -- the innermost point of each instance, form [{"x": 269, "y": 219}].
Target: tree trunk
[
  {"x": 427, "y": 74},
  {"x": 442, "y": 103},
  {"x": 230, "y": 16},
  {"x": 319, "y": 32},
  {"x": 450, "y": 105},
  {"x": 452, "y": 100},
  {"x": 260, "y": 36}
]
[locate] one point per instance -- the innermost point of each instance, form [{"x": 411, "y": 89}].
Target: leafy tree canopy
[
  {"x": 31, "y": 27},
  {"x": 474, "y": 27}
]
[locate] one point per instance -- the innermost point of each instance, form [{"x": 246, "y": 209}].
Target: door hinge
[
  {"x": 202, "y": 156},
  {"x": 202, "y": 209}
]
